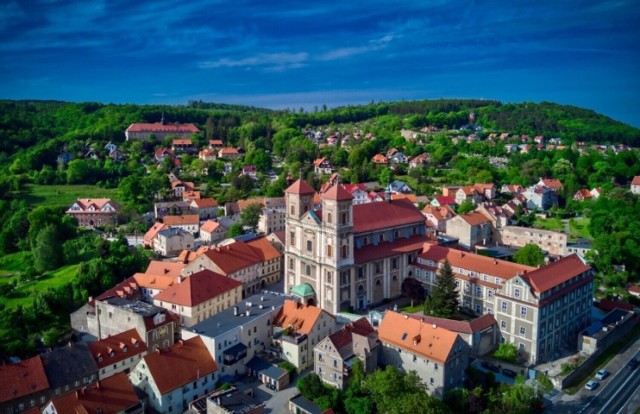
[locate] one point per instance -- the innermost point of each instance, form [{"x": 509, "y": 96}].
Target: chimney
[
  {"x": 434, "y": 326},
  {"x": 262, "y": 298},
  {"x": 248, "y": 312},
  {"x": 77, "y": 394},
  {"x": 235, "y": 311},
  {"x": 97, "y": 385},
  {"x": 180, "y": 278}
]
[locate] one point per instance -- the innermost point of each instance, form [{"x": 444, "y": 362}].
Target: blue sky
[{"x": 281, "y": 54}]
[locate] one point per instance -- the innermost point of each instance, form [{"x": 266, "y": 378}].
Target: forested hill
[{"x": 51, "y": 124}]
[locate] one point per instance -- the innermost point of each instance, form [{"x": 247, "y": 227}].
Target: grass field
[
  {"x": 59, "y": 196},
  {"x": 12, "y": 264},
  {"x": 580, "y": 228},
  {"x": 23, "y": 293},
  {"x": 554, "y": 224}
]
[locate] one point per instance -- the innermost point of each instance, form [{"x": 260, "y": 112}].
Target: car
[
  {"x": 509, "y": 373},
  {"x": 602, "y": 374},
  {"x": 591, "y": 385},
  {"x": 489, "y": 366},
  {"x": 633, "y": 364}
]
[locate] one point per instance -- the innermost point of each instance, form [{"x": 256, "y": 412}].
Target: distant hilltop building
[{"x": 160, "y": 130}]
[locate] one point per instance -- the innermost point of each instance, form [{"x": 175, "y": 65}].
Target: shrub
[{"x": 507, "y": 352}]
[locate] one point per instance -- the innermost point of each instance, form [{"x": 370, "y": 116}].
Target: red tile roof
[
  {"x": 205, "y": 202},
  {"x": 552, "y": 183},
  {"x": 372, "y": 252},
  {"x": 337, "y": 193},
  {"x": 158, "y": 267},
  {"x": 153, "y": 232},
  {"x": 636, "y": 180},
  {"x": 22, "y": 378},
  {"x": 471, "y": 261},
  {"x": 466, "y": 327},
  {"x": 301, "y": 318},
  {"x": 554, "y": 274},
  {"x": 160, "y": 127},
  {"x": 344, "y": 336},
  {"x": 300, "y": 187},
  {"x": 609, "y": 305},
  {"x": 442, "y": 200},
  {"x": 434, "y": 343},
  {"x": 209, "y": 226},
  {"x": 240, "y": 255},
  {"x": 228, "y": 151},
  {"x": 180, "y": 364},
  {"x": 97, "y": 203},
  {"x": 197, "y": 288},
  {"x": 475, "y": 218},
  {"x": 263, "y": 248},
  {"x": 114, "y": 349},
  {"x": 182, "y": 141},
  {"x": 110, "y": 395},
  {"x": 375, "y": 216},
  {"x": 189, "y": 219}
]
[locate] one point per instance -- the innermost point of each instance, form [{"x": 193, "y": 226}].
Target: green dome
[{"x": 303, "y": 290}]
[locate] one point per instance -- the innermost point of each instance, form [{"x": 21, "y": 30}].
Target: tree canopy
[{"x": 444, "y": 300}]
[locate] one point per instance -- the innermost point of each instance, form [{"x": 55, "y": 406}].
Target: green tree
[
  {"x": 250, "y": 215},
  {"x": 506, "y": 352},
  {"x": 413, "y": 289},
  {"x": 310, "y": 386},
  {"x": 444, "y": 295},
  {"x": 530, "y": 255},
  {"x": 235, "y": 230},
  {"x": 47, "y": 252},
  {"x": 465, "y": 207}
]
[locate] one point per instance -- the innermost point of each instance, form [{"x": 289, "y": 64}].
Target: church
[{"x": 343, "y": 256}]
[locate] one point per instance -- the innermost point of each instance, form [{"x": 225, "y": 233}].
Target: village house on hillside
[
  {"x": 160, "y": 130},
  {"x": 91, "y": 212}
]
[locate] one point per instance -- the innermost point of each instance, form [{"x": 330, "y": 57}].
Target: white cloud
[{"x": 270, "y": 61}]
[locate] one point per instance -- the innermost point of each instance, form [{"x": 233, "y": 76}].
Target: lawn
[
  {"x": 579, "y": 228},
  {"x": 23, "y": 293},
  {"x": 553, "y": 223},
  {"x": 58, "y": 196},
  {"x": 12, "y": 264}
]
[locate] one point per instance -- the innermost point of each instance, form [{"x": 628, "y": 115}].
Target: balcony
[
  {"x": 290, "y": 337},
  {"x": 234, "y": 354}
]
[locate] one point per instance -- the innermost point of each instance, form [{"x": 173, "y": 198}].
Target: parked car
[
  {"x": 591, "y": 385},
  {"x": 509, "y": 373},
  {"x": 602, "y": 374},
  {"x": 489, "y": 366},
  {"x": 633, "y": 364}
]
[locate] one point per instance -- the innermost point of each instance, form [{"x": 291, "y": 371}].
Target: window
[
  {"x": 523, "y": 331},
  {"x": 503, "y": 324},
  {"x": 292, "y": 264},
  {"x": 521, "y": 347},
  {"x": 329, "y": 277},
  {"x": 478, "y": 290},
  {"x": 292, "y": 238},
  {"x": 307, "y": 270},
  {"x": 503, "y": 306},
  {"x": 309, "y": 245},
  {"x": 329, "y": 218},
  {"x": 523, "y": 311},
  {"x": 329, "y": 250},
  {"x": 381, "y": 238},
  {"x": 343, "y": 218},
  {"x": 344, "y": 251},
  {"x": 490, "y": 293},
  {"x": 293, "y": 209},
  {"x": 516, "y": 292},
  {"x": 394, "y": 263}
]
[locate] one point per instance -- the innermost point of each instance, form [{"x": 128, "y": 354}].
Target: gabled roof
[
  {"x": 636, "y": 180},
  {"x": 116, "y": 348},
  {"x": 228, "y": 151},
  {"x": 300, "y": 187},
  {"x": 97, "y": 203},
  {"x": 154, "y": 230},
  {"x": 22, "y": 378},
  {"x": 65, "y": 365},
  {"x": 466, "y": 327},
  {"x": 188, "y": 219},
  {"x": 182, "y": 141},
  {"x": 263, "y": 248},
  {"x": 342, "y": 339},
  {"x": 180, "y": 364},
  {"x": 160, "y": 268},
  {"x": 197, "y": 288},
  {"x": 442, "y": 200},
  {"x": 209, "y": 226},
  {"x": 374, "y": 216},
  {"x": 396, "y": 247},
  {"x": 474, "y": 218},
  {"x": 554, "y": 274},
  {"x": 337, "y": 193},
  {"x": 475, "y": 262},
  {"x": 301, "y": 318},
  {"x": 552, "y": 183},
  {"x": 379, "y": 159},
  {"x": 114, "y": 394},
  {"x": 440, "y": 213},
  {"x": 204, "y": 202},
  {"x": 429, "y": 341},
  {"x": 160, "y": 127},
  {"x": 240, "y": 255}
]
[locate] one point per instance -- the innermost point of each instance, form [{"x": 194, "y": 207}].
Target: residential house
[
  {"x": 23, "y": 386},
  {"x": 582, "y": 194},
  {"x": 183, "y": 145},
  {"x": 216, "y": 144},
  {"x": 255, "y": 263},
  {"x": 117, "y": 353},
  {"x": 635, "y": 185},
  {"x": 552, "y": 183},
  {"x": 272, "y": 216},
  {"x": 91, "y": 212},
  {"x": 399, "y": 187},
  {"x": 69, "y": 368},
  {"x": 359, "y": 193},
  {"x": 349, "y": 255},
  {"x": 298, "y": 328},
  {"x": 398, "y": 158},
  {"x": 160, "y": 130},
  {"x": 481, "y": 334},
  {"x": 199, "y": 296},
  {"x": 470, "y": 229},
  {"x": 174, "y": 377},
  {"x": 468, "y": 193},
  {"x": 237, "y": 334},
  {"x": 205, "y": 207},
  {"x": 171, "y": 208},
  {"x": 212, "y": 232},
  {"x": 438, "y": 356},
  {"x": 188, "y": 222},
  {"x": 157, "y": 277},
  {"x": 227, "y": 401},
  {"x": 162, "y": 153},
  {"x": 149, "y": 238},
  {"x": 208, "y": 155},
  {"x": 421, "y": 160},
  {"x": 441, "y": 201},
  {"x": 512, "y": 189},
  {"x": 335, "y": 355},
  {"x": 250, "y": 171},
  {"x": 156, "y": 326},
  {"x": 180, "y": 187},
  {"x": 301, "y": 405},
  {"x": 497, "y": 215},
  {"x": 171, "y": 241},
  {"x": 596, "y": 193},
  {"x": 229, "y": 153},
  {"x": 542, "y": 198},
  {"x": 322, "y": 166},
  {"x": 552, "y": 242},
  {"x": 111, "y": 395},
  {"x": 580, "y": 248},
  {"x": 437, "y": 216},
  {"x": 380, "y": 159}
]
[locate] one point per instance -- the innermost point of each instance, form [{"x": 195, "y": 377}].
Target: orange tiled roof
[
  {"x": 263, "y": 248},
  {"x": 160, "y": 127},
  {"x": 302, "y": 318},
  {"x": 556, "y": 273},
  {"x": 182, "y": 141},
  {"x": 434, "y": 343},
  {"x": 197, "y": 288},
  {"x": 300, "y": 187},
  {"x": 22, "y": 378},
  {"x": 209, "y": 226},
  {"x": 337, "y": 193},
  {"x": 411, "y": 197},
  {"x": 188, "y": 219},
  {"x": 474, "y": 218},
  {"x": 240, "y": 255},
  {"x": 97, "y": 203},
  {"x": 180, "y": 364},
  {"x": 116, "y": 348},
  {"x": 475, "y": 262},
  {"x": 205, "y": 202},
  {"x": 158, "y": 267},
  {"x": 114, "y": 394},
  {"x": 152, "y": 281},
  {"x": 153, "y": 231},
  {"x": 636, "y": 180},
  {"x": 379, "y": 159},
  {"x": 552, "y": 183},
  {"x": 467, "y": 327},
  {"x": 374, "y": 216}
]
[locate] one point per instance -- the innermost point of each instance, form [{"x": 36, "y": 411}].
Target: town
[{"x": 338, "y": 268}]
